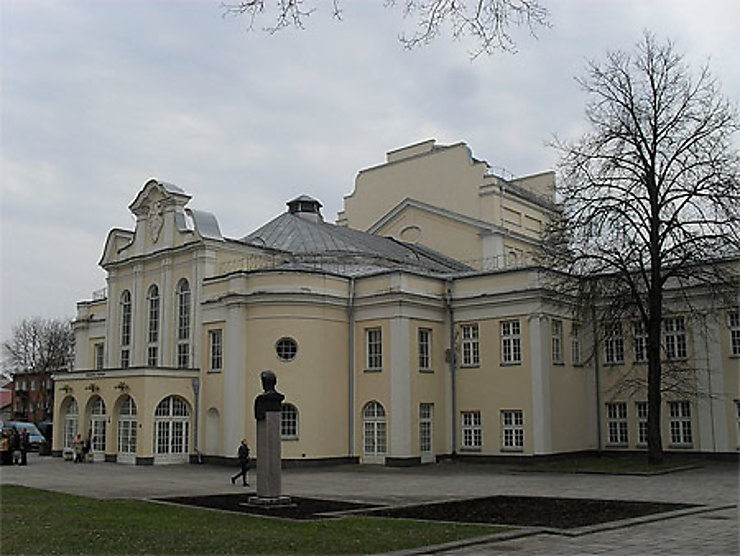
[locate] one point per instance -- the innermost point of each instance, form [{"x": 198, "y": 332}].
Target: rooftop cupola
[{"x": 306, "y": 207}]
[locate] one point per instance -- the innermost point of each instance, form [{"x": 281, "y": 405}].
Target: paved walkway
[{"x": 714, "y": 530}]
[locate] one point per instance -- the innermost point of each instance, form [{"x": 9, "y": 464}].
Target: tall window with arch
[
  {"x": 183, "y": 324},
  {"x": 152, "y": 353},
  {"x": 127, "y": 431},
  {"x": 71, "y": 422},
  {"x": 125, "y": 329}
]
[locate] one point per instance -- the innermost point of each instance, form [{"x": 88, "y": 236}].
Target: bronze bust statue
[{"x": 270, "y": 399}]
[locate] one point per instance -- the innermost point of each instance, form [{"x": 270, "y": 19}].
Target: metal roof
[{"x": 315, "y": 242}]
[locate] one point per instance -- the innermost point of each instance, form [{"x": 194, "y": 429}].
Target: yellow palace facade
[{"x": 415, "y": 328}]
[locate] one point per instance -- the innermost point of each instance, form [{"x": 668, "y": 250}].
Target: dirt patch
[{"x": 560, "y": 513}]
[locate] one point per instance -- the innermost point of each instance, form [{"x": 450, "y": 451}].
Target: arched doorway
[
  {"x": 98, "y": 419},
  {"x": 172, "y": 431},
  {"x": 127, "y": 431},
  {"x": 375, "y": 433}
]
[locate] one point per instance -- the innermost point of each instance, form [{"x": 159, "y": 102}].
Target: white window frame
[
  {"x": 674, "y": 338},
  {"x": 426, "y": 439},
  {"x": 613, "y": 343},
  {"x": 184, "y": 303},
  {"x": 288, "y": 422},
  {"x": 425, "y": 349},
  {"x": 153, "y": 319},
  {"x": 733, "y": 324},
  {"x": 617, "y": 426},
  {"x": 125, "y": 329},
  {"x": 639, "y": 341},
  {"x": 216, "y": 349},
  {"x": 512, "y": 430},
  {"x": 470, "y": 344},
  {"x": 641, "y": 412},
  {"x": 680, "y": 427},
  {"x": 472, "y": 430},
  {"x": 511, "y": 342},
  {"x": 374, "y": 349},
  {"x": 172, "y": 431},
  {"x": 71, "y": 422},
  {"x": 375, "y": 433},
  {"x": 99, "y": 355},
  {"x": 556, "y": 335},
  {"x": 127, "y": 424},
  {"x": 575, "y": 342}
]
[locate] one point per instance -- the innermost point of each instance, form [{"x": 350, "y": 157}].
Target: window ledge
[
  {"x": 214, "y": 372},
  {"x": 373, "y": 370},
  {"x": 511, "y": 364},
  {"x": 427, "y": 371},
  {"x": 510, "y": 449},
  {"x": 470, "y": 366},
  {"x": 467, "y": 449}
]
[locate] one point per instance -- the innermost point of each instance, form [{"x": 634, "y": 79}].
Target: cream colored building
[{"x": 415, "y": 328}]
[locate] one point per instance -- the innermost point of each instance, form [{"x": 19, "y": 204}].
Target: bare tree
[
  {"x": 488, "y": 22},
  {"x": 651, "y": 193},
  {"x": 40, "y": 347}
]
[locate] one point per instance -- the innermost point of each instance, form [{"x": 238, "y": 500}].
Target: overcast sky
[{"x": 99, "y": 96}]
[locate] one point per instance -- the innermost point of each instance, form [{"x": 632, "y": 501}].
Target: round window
[{"x": 286, "y": 349}]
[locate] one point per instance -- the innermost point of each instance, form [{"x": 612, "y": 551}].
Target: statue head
[{"x": 269, "y": 380}]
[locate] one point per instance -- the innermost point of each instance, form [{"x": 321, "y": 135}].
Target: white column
[
  {"x": 400, "y": 410},
  {"x": 236, "y": 403},
  {"x": 539, "y": 354},
  {"x": 139, "y": 318}
]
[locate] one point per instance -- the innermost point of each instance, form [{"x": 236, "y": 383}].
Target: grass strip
[{"x": 40, "y": 522}]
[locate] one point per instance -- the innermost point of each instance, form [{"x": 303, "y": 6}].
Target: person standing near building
[
  {"x": 243, "y": 454},
  {"x": 25, "y": 442}
]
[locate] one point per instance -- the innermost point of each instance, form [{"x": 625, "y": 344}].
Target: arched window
[
  {"x": 172, "y": 431},
  {"x": 71, "y": 422},
  {"x": 289, "y": 422},
  {"x": 374, "y": 425},
  {"x": 183, "y": 324},
  {"x": 127, "y": 431},
  {"x": 125, "y": 329},
  {"x": 98, "y": 420},
  {"x": 152, "y": 297}
]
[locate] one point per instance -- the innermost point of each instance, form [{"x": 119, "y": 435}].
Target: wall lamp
[
  {"x": 92, "y": 387},
  {"x": 122, "y": 386}
]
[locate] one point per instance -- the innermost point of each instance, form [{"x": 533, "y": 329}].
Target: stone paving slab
[{"x": 714, "y": 485}]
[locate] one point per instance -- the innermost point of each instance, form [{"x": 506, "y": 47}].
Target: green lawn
[{"x": 40, "y": 522}]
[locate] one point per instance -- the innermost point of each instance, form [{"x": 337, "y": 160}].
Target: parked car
[{"x": 35, "y": 438}]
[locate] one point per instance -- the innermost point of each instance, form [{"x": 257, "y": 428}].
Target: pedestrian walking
[
  {"x": 243, "y": 454},
  {"x": 78, "y": 446},
  {"x": 25, "y": 445}
]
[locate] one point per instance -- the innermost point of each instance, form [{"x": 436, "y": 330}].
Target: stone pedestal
[{"x": 269, "y": 475}]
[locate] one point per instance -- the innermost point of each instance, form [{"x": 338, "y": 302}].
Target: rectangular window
[
  {"x": 152, "y": 356},
  {"x": 675, "y": 338},
  {"x": 374, "y": 349},
  {"x": 680, "y": 423},
  {"x": 470, "y": 345},
  {"x": 734, "y": 325},
  {"x": 613, "y": 343},
  {"x": 426, "y": 412},
  {"x": 216, "y": 342},
  {"x": 99, "y": 353},
  {"x": 511, "y": 343},
  {"x": 125, "y": 358},
  {"x": 425, "y": 349},
  {"x": 556, "y": 334},
  {"x": 639, "y": 341},
  {"x": 472, "y": 430},
  {"x": 642, "y": 414},
  {"x": 616, "y": 420},
  {"x": 512, "y": 426},
  {"x": 183, "y": 356},
  {"x": 575, "y": 339},
  {"x": 33, "y": 386}
]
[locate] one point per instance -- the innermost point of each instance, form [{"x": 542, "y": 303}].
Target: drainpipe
[
  {"x": 195, "y": 382},
  {"x": 453, "y": 364},
  {"x": 351, "y": 366},
  {"x": 597, "y": 378}
]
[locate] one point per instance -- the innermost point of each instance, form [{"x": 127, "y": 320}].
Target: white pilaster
[
  {"x": 711, "y": 419},
  {"x": 400, "y": 410},
  {"x": 236, "y": 402},
  {"x": 539, "y": 354}
]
